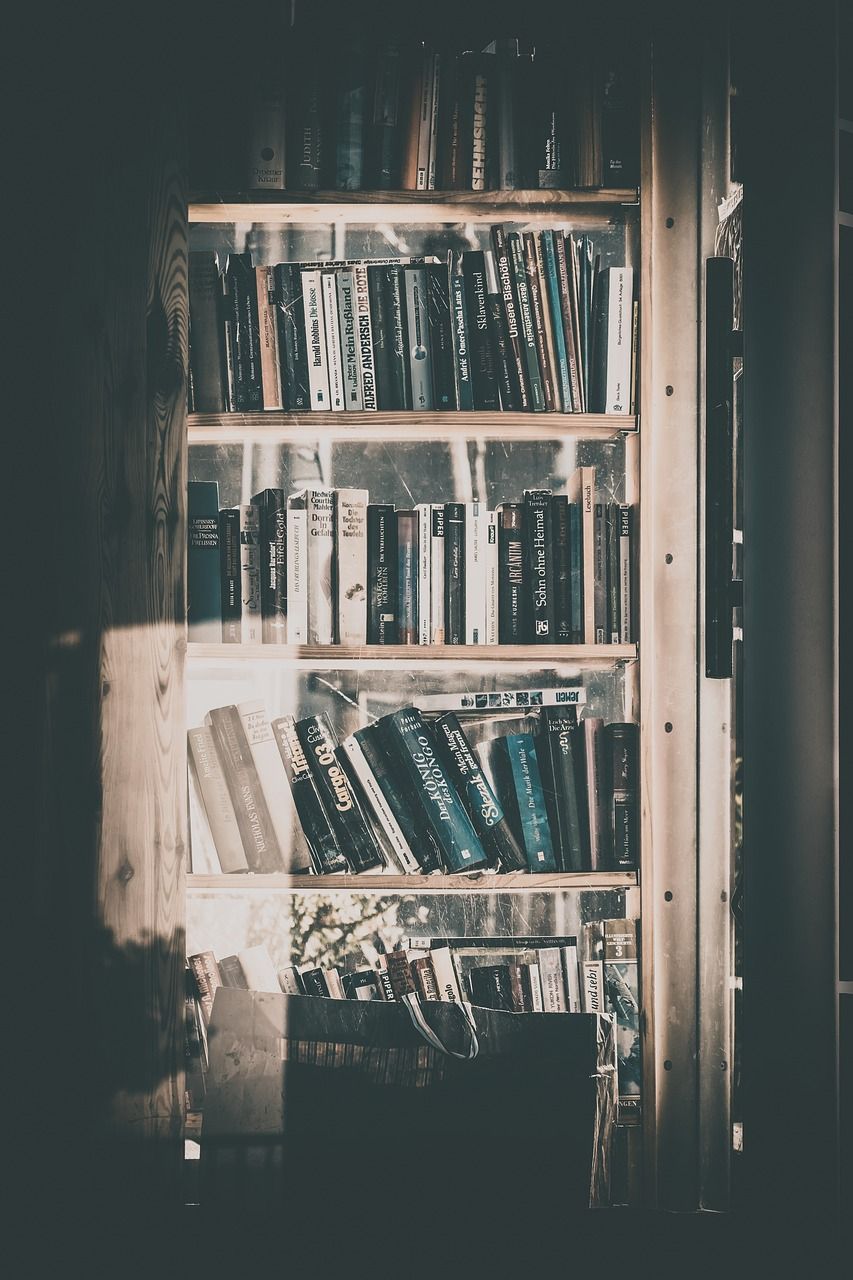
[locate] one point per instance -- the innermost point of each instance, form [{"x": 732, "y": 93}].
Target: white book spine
[
  {"x": 364, "y": 338},
  {"x": 376, "y": 797},
  {"x": 216, "y": 799},
  {"x": 475, "y": 573},
  {"x": 478, "y": 139},
  {"x": 333, "y": 340},
  {"x": 315, "y": 339},
  {"x": 593, "y": 986},
  {"x": 425, "y": 121},
  {"x": 297, "y": 570},
  {"x": 352, "y": 566},
  {"x": 320, "y": 513},
  {"x": 288, "y": 980},
  {"x": 491, "y": 577},
  {"x": 551, "y": 977},
  {"x": 259, "y": 969},
  {"x": 433, "y": 122},
  {"x": 536, "y": 989},
  {"x": 250, "y": 575},
  {"x": 333, "y": 982},
  {"x": 270, "y": 770},
  {"x": 424, "y": 511},
  {"x": 349, "y": 341},
  {"x": 625, "y": 574},
  {"x": 420, "y": 360},
  {"x": 437, "y": 573},
  {"x": 445, "y": 975},
  {"x": 572, "y": 976},
  {"x": 620, "y": 323},
  {"x": 203, "y": 860}
]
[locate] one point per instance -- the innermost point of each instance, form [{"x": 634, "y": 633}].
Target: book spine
[
  {"x": 297, "y": 569},
  {"x": 562, "y": 569},
  {"x": 204, "y": 583},
  {"x": 407, "y": 577},
  {"x": 622, "y": 753},
  {"x": 433, "y": 120},
  {"x": 596, "y": 795},
  {"x": 293, "y": 353},
  {"x": 576, "y": 583},
  {"x": 290, "y": 980},
  {"x": 306, "y": 131},
  {"x": 251, "y": 625},
  {"x": 509, "y": 303},
  {"x": 626, "y": 602},
  {"x": 491, "y": 987},
  {"x": 507, "y": 167},
  {"x": 399, "y": 974},
  {"x": 270, "y": 770},
  {"x": 635, "y": 339},
  {"x": 511, "y": 583},
  {"x": 441, "y": 337},
  {"x": 602, "y": 635},
  {"x": 593, "y": 986},
  {"x": 547, "y": 318},
  {"x": 378, "y": 802},
  {"x": 248, "y": 333},
  {"x": 612, "y": 554},
  {"x": 231, "y": 973},
  {"x": 349, "y": 822},
  {"x": 424, "y": 121},
  {"x": 272, "y": 524},
  {"x": 582, "y": 490},
  {"x": 585, "y": 266},
  {"x": 350, "y": 112},
  {"x": 620, "y": 318},
  {"x": 315, "y": 339},
  {"x": 349, "y": 344},
  {"x": 551, "y": 977},
  {"x": 259, "y": 969},
  {"x": 206, "y": 333},
  {"x": 479, "y": 798},
  {"x": 540, "y": 566},
  {"x": 267, "y": 138},
  {"x": 414, "y": 96},
  {"x": 314, "y": 982},
  {"x": 395, "y": 290},
  {"x": 483, "y": 377},
  {"x": 417, "y": 325},
  {"x": 479, "y": 142},
  {"x": 560, "y": 756},
  {"x": 436, "y": 592},
  {"x": 460, "y": 845},
  {"x": 331, "y": 327},
  {"x": 504, "y": 700},
  {"x": 320, "y": 518},
  {"x": 382, "y": 587},
  {"x": 445, "y": 975},
  {"x": 229, "y": 571},
  {"x": 527, "y": 323},
  {"x": 555, "y": 315},
  {"x": 244, "y": 787},
  {"x": 268, "y": 338},
  {"x": 423, "y": 510},
  {"x": 351, "y": 574},
  {"x": 491, "y": 557},
  {"x": 205, "y": 973},
  {"x": 364, "y": 332},
  {"x": 229, "y": 343},
  {"x": 383, "y": 142},
  {"x": 538, "y": 843},
  {"x": 571, "y": 974},
  {"x": 381, "y": 751},
  {"x": 386, "y": 991},
  {"x": 574, "y": 270},
  {"x": 462, "y": 358},
  {"x": 504, "y": 365},
  {"x": 313, "y": 818},
  {"x": 361, "y": 985},
  {"x": 383, "y": 337},
  {"x": 426, "y": 982},
  {"x": 566, "y": 314},
  {"x": 454, "y": 573},
  {"x": 203, "y": 858},
  {"x": 216, "y": 798},
  {"x": 475, "y": 572},
  {"x": 535, "y": 983},
  {"x": 534, "y": 288}
]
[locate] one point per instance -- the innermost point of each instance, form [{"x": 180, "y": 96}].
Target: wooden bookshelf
[
  {"x": 337, "y": 656},
  {"x": 473, "y": 882},
  {"x": 409, "y": 206},
  {"x": 275, "y": 427}
]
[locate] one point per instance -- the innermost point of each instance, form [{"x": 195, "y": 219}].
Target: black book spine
[
  {"x": 454, "y": 573},
  {"x": 483, "y": 377},
  {"x": 620, "y": 139},
  {"x": 494, "y": 757},
  {"x": 461, "y": 353},
  {"x": 477, "y": 795},
  {"x": 441, "y": 336},
  {"x": 349, "y": 823},
  {"x": 562, "y": 569},
  {"x": 229, "y": 574},
  {"x": 602, "y": 634},
  {"x": 351, "y": 105},
  {"x": 395, "y": 292},
  {"x": 551, "y": 136},
  {"x": 557, "y": 745},
  {"x": 535, "y": 287},
  {"x": 204, "y": 585},
  {"x": 385, "y": 128},
  {"x": 383, "y": 339},
  {"x": 527, "y": 324},
  {"x": 540, "y": 564},
  {"x": 575, "y": 573},
  {"x": 245, "y": 335},
  {"x": 447, "y": 176},
  {"x": 511, "y": 593},
  {"x": 623, "y": 795},
  {"x": 491, "y": 987},
  {"x": 381, "y": 574},
  {"x": 509, "y": 302},
  {"x": 306, "y": 120},
  {"x": 272, "y": 538},
  {"x": 383, "y": 757},
  {"x": 407, "y": 577},
  {"x": 206, "y": 333},
  {"x": 316, "y": 827},
  {"x": 293, "y": 354},
  {"x": 504, "y": 365},
  {"x": 241, "y": 777},
  {"x": 314, "y": 982},
  {"x": 598, "y": 357},
  {"x": 584, "y": 257}
]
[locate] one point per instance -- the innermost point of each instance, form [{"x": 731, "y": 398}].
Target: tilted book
[
  {"x": 241, "y": 776},
  {"x": 315, "y": 822},
  {"x": 216, "y": 798},
  {"x": 349, "y": 823},
  {"x": 379, "y": 804},
  {"x": 535, "y": 294},
  {"x": 483, "y": 805},
  {"x": 273, "y": 780},
  {"x": 205, "y": 973},
  {"x": 382, "y": 755}
]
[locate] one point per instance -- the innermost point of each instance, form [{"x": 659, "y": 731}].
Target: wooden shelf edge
[
  {"x": 218, "y": 428},
  {"x": 421, "y": 655},
  {"x": 513, "y": 882}
]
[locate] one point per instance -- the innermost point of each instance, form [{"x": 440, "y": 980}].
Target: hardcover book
[
  {"x": 378, "y": 802},
  {"x": 259, "y": 969},
  {"x": 511, "y": 584},
  {"x": 622, "y": 993},
  {"x": 296, "y": 528},
  {"x": 381, "y": 752},
  {"x": 483, "y": 377},
  {"x": 382, "y": 593},
  {"x": 204, "y": 590},
  {"x": 349, "y": 823},
  {"x": 454, "y": 573},
  {"x": 484, "y": 807},
  {"x": 407, "y": 577},
  {"x": 512, "y": 320},
  {"x": 277, "y": 793},
  {"x": 293, "y": 351},
  {"x": 436, "y": 595},
  {"x": 244, "y": 786},
  {"x": 229, "y": 569},
  {"x": 622, "y": 760},
  {"x": 315, "y": 339},
  {"x": 320, "y": 540},
  {"x": 241, "y": 311},
  {"x": 251, "y": 623},
  {"x": 476, "y": 530},
  {"x": 216, "y": 798},
  {"x": 595, "y": 767},
  {"x": 364, "y": 331},
  {"x": 527, "y": 323},
  {"x": 351, "y": 566},
  {"x": 206, "y": 333},
  {"x": 441, "y": 336},
  {"x": 502, "y": 354},
  {"x": 272, "y": 539},
  {"x": 424, "y": 568},
  {"x": 536, "y": 832},
  {"x": 535, "y": 294},
  {"x": 581, "y": 490},
  {"x": 540, "y": 564},
  {"x": 331, "y": 328},
  {"x": 417, "y": 329},
  {"x": 560, "y": 759},
  {"x": 315, "y": 822},
  {"x": 461, "y": 353},
  {"x": 268, "y": 338}
]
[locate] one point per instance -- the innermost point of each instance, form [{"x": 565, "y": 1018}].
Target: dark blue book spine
[
  {"x": 483, "y": 805},
  {"x": 460, "y": 845},
  {"x": 462, "y": 354},
  {"x": 382, "y": 752},
  {"x": 454, "y": 572},
  {"x": 229, "y": 568},
  {"x": 350, "y": 108},
  {"x": 552, "y": 290},
  {"x": 557, "y": 750},
  {"x": 204, "y": 589},
  {"x": 527, "y": 779}
]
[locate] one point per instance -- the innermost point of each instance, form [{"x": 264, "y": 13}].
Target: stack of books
[
  {"x": 327, "y": 566},
  {"x": 534, "y": 323}
]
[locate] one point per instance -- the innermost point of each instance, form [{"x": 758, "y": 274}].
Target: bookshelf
[{"x": 509, "y": 882}]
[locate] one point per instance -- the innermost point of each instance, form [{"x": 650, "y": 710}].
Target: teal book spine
[
  {"x": 552, "y": 289},
  {"x": 536, "y": 831}
]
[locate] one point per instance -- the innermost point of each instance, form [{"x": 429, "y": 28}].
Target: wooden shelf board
[
  {"x": 338, "y": 657},
  {"x": 401, "y": 206},
  {"x": 274, "y": 426},
  {"x": 486, "y": 882}
]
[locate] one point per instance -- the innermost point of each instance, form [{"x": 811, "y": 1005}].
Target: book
[
  {"x": 244, "y": 786},
  {"x": 315, "y": 339},
  {"x": 506, "y": 116},
  {"x": 622, "y": 996},
  {"x": 491, "y": 558},
  {"x": 314, "y": 981},
  {"x": 407, "y": 577},
  {"x": 527, "y": 323},
  {"x": 386, "y": 991},
  {"x": 449, "y": 157},
  {"x": 290, "y": 981},
  {"x": 216, "y": 798},
  {"x": 512, "y": 322},
  {"x": 352, "y": 830},
  {"x": 259, "y": 969},
  {"x": 540, "y": 565},
  {"x": 503, "y": 699},
  {"x": 620, "y": 140},
  {"x": 502, "y": 357},
  {"x": 622, "y": 762},
  {"x": 306, "y": 122},
  {"x": 481, "y": 355},
  {"x": 535, "y": 293},
  {"x": 596, "y": 792},
  {"x": 350, "y": 111},
  {"x": 461, "y": 353},
  {"x": 267, "y": 134},
  {"x": 296, "y": 551},
  {"x": 536, "y": 832},
  {"x": 552, "y": 981},
  {"x": 539, "y": 249},
  {"x": 551, "y": 135},
  {"x": 424, "y": 571},
  {"x": 474, "y": 124},
  {"x": 491, "y": 987},
  {"x": 436, "y": 561},
  {"x": 384, "y": 122},
  {"x": 592, "y": 968},
  {"x": 292, "y": 346},
  {"x": 334, "y": 983},
  {"x": 381, "y": 754},
  {"x": 441, "y": 336},
  {"x": 270, "y": 364},
  {"x": 423, "y": 973},
  {"x": 445, "y": 975},
  {"x": 511, "y": 583},
  {"x": 390, "y": 342},
  {"x": 362, "y": 984},
  {"x": 571, "y": 976},
  {"x": 205, "y": 973},
  {"x": 316, "y": 825},
  {"x": 229, "y": 572},
  {"x": 241, "y": 318},
  {"x": 532, "y": 988},
  {"x": 612, "y": 339},
  {"x": 559, "y": 751},
  {"x": 382, "y": 591},
  {"x": 206, "y": 333},
  {"x": 331, "y": 329},
  {"x": 271, "y": 775},
  {"x": 480, "y": 800},
  {"x": 204, "y": 584},
  {"x": 417, "y": 329},
  {"x": 476, "y": 531},
  {"x": 611, "y": 529},
  {"x": 454, "y": 573},
  {"x": 567, "y": 315},
  {"x": 320, "y": 576},
  {"x": 399, "y": 973},
  {"x": 231, "y": 973},
  {"x": 351, "y": 576},
  {"x": 251, "y": 623},
  {"x": 272, "y": 541},
  {"x": 461, "y": 847},
  {"x": 379, "y": 804},
  {"x": 626, "y": 561},
  {"x": 599, "y": 524},
  {"x": 561, "y": 545},
  {"x": 581, "y": 489},
  {"x": 554, "y": 312},
  {"x": 364, "y": 333},
  {"x": 202, "y": 858}
]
